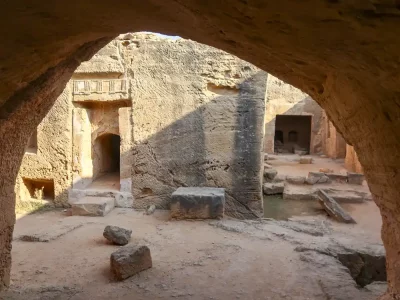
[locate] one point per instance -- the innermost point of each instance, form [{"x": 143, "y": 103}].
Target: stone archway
[{"x": 345, "y": 55}]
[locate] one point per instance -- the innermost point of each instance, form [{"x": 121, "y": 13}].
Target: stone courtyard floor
[{"x": 227, "y": 259}]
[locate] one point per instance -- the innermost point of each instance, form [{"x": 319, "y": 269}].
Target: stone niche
[{"x": 38, "y": 189}]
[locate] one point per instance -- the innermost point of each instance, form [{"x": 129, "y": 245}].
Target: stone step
[
  {"x": 122, "y": 199},
  {"x": 93, "y": 206}
]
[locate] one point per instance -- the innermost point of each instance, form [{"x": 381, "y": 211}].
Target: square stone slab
[
  {"x": 93, "y": 206},
  {"x": 198, "y": 203}
]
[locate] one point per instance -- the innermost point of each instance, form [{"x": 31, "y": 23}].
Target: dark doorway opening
[
  {"x": 106, "y": 161},
  {"x": 292, "y": 134}
]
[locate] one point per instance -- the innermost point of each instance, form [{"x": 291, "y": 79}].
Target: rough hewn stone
[
  {"x": 273, "y": 188},
  {"x": 317, "y": 177},
  {"x": 197, "y": 203},
  {"x": 117, "y": 235},
  {"x": 355, "y": 178},
  {"x": 269, "y": 174},
  {"x": 130, "y": 260}
]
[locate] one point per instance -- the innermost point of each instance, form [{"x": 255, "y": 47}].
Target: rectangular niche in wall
[
  {"x": 40, "y": 189},
  {"x": 292, "y": 132}
]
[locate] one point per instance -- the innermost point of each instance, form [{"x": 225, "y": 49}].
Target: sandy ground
[{"x": 225, "y": 259}]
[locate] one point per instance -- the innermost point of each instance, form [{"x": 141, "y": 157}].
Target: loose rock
[
  {"x": 150, "y": 209},
  {"x": 269, "y": 174},
  {"x": 130, "y": 260},
  {"x": 273, "y": 188},
  {"x": 317, "y": 177},
  {"x": 117, "y": 235}
]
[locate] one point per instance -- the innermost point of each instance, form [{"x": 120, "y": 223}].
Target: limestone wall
[
  {"x": 187, "y": 115},
  {"x": 351, "y": 162},
  {"x": 198, "y": 115},
  {"x": 49, "y": 165}
]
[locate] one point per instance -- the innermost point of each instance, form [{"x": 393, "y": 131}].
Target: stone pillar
[
  {"x": 363, "y": 115},
  {"x": 19, "y": 116}
]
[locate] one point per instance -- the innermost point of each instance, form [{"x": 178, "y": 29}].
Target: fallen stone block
[
  {"x": 305, "y": 160},
  {"x": 273, "y": 188},
  {"x": 269, "y": 174},
  {"x": 130, "y": 260},
  {"x": 317, "y": 177},
  {"x": 355, "y": 178},
  {"x": 333, "y": 208},
  {"x": 93, "y": 206},
  {"x": 340, "y": 178},
  {"x": 117, "y": 235},
  {"x": 296, "y": 179},
  {"x": 197, "y": 203}
]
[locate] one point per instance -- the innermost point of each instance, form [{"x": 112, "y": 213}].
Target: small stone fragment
[
  {"x": 355, "y": 178},
  {"x": 117, "y": 235},
  {"x": 150, "y": 209},
  {"x": 326, "y": 170},
  {"x": 306, "y": 160},
  {"x": 130, "y": 260},
  {"x": 273, "y": 188},
  {"x": 296, "y": 179},
  {"x": 269, "y": 174}
]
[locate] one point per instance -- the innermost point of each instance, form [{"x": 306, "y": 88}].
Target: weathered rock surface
[
  {"x": 269, "y": 174},
  {"x": 273, "y": 188},
  {"x": 333, "y": 208},
  {"x": 130, "y": 260},
  {"x": 117, "y": 235},
  {"x": 197, "y": 203}
]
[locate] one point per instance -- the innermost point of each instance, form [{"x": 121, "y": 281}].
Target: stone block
[
  {"x": 269, "y": 174},
  {"x": 355, "y": 178},
  {"x": 198, "y": 203},
  {"x": 93, "y": 206},
  {"x": 273, "y": 188},
  {"x": 337, "y": 177},
  {"x": 305, "y": 160},
  {"x": 296, "y": 179},
  {"x": 130, "y": 260},
  {"x": 333, "y": 208},
  {"x": 117, "y": 235},
  {"x": 279, "y": 178},
  {"x": 296, "y": 192},
  {"x": 317, "y": 177}
]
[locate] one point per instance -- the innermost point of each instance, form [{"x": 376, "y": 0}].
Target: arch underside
[{"x": 345, "y": 55}]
